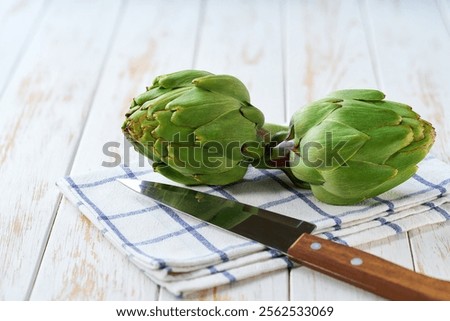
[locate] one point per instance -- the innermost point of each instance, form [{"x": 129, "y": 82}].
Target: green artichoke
[
  {"x": 354, "y": 145},
  {"x": 197, "y": 127},
  {"x": 200, "y": 128}
]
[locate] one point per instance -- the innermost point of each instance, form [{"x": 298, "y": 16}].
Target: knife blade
[{"x": 293, "y": 237}]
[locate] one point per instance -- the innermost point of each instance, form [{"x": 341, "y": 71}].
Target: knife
[{"x": 293, "y": 237}]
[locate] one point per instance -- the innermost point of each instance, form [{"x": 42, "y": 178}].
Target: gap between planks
[
  {"x": 283, "y": 41},
  {"x": 370, "y": 40},
  {"x": 43, "y": 248},
  {"x": 444, "y": 10},
  {"x": 198, "y": 31}
]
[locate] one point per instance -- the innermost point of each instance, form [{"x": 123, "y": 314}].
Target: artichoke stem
[
  {"x": 276, "y": 148},
  {"x": 299, "y": 183},
  {"x": 267, "y": 162},
  {"x": 273, "y": 133},
  {"x": 276, "y": 155}
]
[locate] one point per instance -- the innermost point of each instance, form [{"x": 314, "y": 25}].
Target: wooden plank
[
  {"x": 431, "y": 250},
  {"x": 71, "y": 278},
  {"x": 243, "y": 38},
  {"x": 326, "y": 50},
  {"x": 145, "y": 46},
  {"x": 18, "y": 20},
  {"x": 268, "y": 287},
  {"x": 93, "y": 270},
  {"x": 413, "y": 48},
  {"x": 431, "y": 244},
  {"x": 43, "y": 110},
  {"x": 444, "y": 8},
  {"x": 413, "y": 52},
  {"x": 310, "y": 285}
]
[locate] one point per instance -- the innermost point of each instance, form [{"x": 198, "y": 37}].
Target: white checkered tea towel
[{"x": 185, "y": 255}]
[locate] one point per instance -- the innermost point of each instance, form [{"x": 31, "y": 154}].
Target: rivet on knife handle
[{"x": 366, "y": 271}]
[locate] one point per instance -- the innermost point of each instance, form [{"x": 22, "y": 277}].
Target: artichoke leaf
[
  {"x": 358, "y": 94},
  {"x": 355, "y": 115},
  {"x": 195, "y": 160},
  {"x": 160, "y": 102},
  {"x": 179, "y": 79},
  {"x": 169, "y": 131},
  {"x": 305, "y": 172},
  {"x": 172, "y": 174},
  {"x": 326, "y": 196},
  {"x": 357, "y": 178},
  {"x": 330, "y": 144},
  {"x": 230, "y": 129},
  {"x": 391, "y": 138},
  {"x": 310, "y": 116},
  {"x": 426, "y": 142},
  {"x": 402, "y": 109},
  {"x": 224, "y": 84},
  {"x": 402, "y": 175},
  {"x": 253, "y": 114},
  {"x": 228, "y": 177},
  {"x": 149, "y": 95},
  {"x": 416, "y": 126},
  {"x": 197, "y": 108}
]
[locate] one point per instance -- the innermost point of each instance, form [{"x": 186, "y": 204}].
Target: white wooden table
[{"x": 68, "y": 70}]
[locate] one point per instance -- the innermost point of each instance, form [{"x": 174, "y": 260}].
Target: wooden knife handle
[{"x": 366, "y": 271}]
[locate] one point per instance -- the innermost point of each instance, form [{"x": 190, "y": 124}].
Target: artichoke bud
[
  {"x": 197, "y": 127},
  {"x": 354, "y": 145}
]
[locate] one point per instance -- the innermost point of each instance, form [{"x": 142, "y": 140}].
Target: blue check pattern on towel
[{"x": 185, "y": 255}]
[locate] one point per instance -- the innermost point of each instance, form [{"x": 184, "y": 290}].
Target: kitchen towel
[{"x": 184, "y": 255}]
